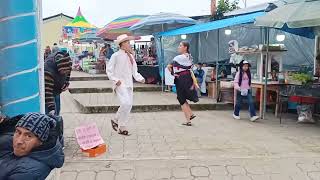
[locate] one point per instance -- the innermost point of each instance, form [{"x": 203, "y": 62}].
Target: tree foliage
[{"x": 225, "y": 6}]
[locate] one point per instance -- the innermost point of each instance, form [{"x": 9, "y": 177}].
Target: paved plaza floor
[{"x": 216, "y": 147}]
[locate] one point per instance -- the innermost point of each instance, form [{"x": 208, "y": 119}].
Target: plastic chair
[{"x": 285, "y": 91}]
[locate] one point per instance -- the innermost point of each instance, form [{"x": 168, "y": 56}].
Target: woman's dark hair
[
  {"x": 186, "y": 44},
  {"x": 241, "y": 75}
]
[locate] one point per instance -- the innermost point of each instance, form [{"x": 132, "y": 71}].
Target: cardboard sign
[{"x": 88, "y": 136}]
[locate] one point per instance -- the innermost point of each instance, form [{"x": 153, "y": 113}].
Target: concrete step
[
  {"x": 109, "y": 90},
  {"x": 83, "y": 76},
  {"x": 77, "y": 87},
  {"x": 93, "y": 78},
  {"x": 143, "y": 102}
]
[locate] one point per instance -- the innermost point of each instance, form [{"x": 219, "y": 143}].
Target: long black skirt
[{"x": 185, "y": 89}]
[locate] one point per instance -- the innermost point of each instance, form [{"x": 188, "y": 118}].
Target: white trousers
[{"x": 125, "y": 96}]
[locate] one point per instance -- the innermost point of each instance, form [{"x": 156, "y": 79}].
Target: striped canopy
[
  {"x": 119, "y": 26},
  {"x": 89, "y": 37}
]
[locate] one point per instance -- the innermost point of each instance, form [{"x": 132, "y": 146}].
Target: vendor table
[
  {"x": 150, "y": 73},
  {"x": 271, "y": 86},
  {"x": 298, "y": 93}
]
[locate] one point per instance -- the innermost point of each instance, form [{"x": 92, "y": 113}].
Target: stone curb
[{"x": 151, "y": 108}]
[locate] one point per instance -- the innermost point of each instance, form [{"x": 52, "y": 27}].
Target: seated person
[
  {"x": 199, "y": 74},
  {"x": 223, "y": 74},
  {"x": 29, "y": 147}
]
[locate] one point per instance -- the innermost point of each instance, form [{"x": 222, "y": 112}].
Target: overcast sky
[{"x": 101, "y": 12}]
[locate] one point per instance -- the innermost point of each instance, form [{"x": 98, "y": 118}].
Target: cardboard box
[{"x": 94, "y": 152}]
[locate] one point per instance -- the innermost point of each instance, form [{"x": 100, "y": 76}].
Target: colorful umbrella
[
  {"x": 119, "y": 26},
  {"x": 89, "y": 37},
  {"x": 161, "y": 22},
  {"x": 80, "y": 21}
]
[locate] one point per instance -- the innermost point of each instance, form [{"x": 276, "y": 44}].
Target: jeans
[
  {"x": 57, "y": 105},
  {"x": 237, "y": 107}
]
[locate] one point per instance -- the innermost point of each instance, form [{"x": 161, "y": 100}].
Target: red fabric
[
  {"x": 130, "y": 57},
  {"x": 306, "y": 100}
]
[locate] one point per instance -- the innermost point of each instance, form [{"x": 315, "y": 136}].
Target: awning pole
[
  {"x": 40, "y": 58},
  {"x": 217, "y": 66},
  {"x": 267, "y": 31},
  {"x": 199, "y": 47},
  {"x": 162, "y": 59}
]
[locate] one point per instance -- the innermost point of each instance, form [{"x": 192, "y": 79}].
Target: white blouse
[{"x": 121, "y": 68}]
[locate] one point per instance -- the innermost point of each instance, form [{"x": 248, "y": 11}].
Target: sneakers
[
  {"x": 236, "y": 117},
  {"x": 254, "y": 118}
]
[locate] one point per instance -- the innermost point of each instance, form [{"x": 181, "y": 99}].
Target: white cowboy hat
[{"x": 123, "y": 38}]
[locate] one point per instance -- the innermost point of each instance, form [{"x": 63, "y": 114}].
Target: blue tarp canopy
[{"x": 248, "y": 18}]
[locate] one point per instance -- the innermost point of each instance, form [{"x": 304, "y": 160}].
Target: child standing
[{"x": 242, "y": 85}]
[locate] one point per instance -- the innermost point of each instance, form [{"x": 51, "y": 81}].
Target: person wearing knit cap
[
  {"x": 29, "y": 147},
  {"x": 57, "y": 70}
]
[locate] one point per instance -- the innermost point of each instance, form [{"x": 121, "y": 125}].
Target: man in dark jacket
[
  {"x": 29, "y": 147},
  {"x": 57, "y": 69},
  {"x": 110, "y": 52}
]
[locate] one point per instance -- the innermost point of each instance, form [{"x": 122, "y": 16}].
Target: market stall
[
  {"x": 154, "y": 24},
  {"x": 78, "y": 26},
  {"x": 258, "y": 58},
  {"x": 147, "y": 61},
  {"x": 82, "y": 37},
  {"x": 303, "y": 14},
  {"x": 202, "y": 32}
]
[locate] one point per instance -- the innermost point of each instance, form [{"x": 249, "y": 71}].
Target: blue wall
[{"x": 19, "y": 75}]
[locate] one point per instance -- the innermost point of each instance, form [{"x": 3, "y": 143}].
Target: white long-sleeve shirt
[{"x": 121, "y": 69}]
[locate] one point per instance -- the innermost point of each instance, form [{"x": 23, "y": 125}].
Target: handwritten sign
[{"x": 88, "y": 136}]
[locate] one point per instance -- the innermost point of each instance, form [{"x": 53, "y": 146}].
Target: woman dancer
[{"x": 181, "y": 67}]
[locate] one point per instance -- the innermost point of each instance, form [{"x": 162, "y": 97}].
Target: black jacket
[{"x": 37, "y": 165}]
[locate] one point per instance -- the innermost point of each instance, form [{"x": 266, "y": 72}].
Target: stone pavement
[{"x": 216, "y": 147}]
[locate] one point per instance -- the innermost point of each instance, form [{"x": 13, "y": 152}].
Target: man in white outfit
[{"x": 120, "y": 69}]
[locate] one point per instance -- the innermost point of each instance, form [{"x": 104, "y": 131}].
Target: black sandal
[
  {"x": 125, "y": 132},
  {"x": 192, "y": 117},
  {"x": 187, "y": 124},
  {"x": 114, "y": 125}
]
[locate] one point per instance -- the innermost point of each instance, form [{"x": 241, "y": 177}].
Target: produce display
[{"x": 302, "y": 78}]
